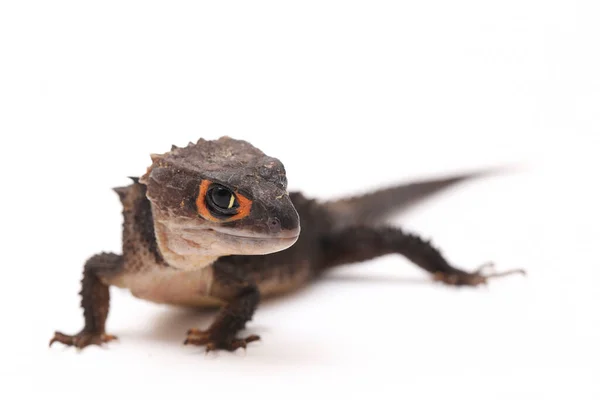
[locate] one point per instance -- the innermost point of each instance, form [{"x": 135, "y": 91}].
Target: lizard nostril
[{"x": 274, "y": 225}]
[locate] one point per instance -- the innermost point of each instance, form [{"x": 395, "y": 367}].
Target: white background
[{"x": 350, "y": 96}]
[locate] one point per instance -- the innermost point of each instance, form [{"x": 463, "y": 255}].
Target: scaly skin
[
  {"x": 170, "y": 229},
  {"x": 95, "y": 299}
]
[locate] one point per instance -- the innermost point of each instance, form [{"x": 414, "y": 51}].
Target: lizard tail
[{"x": 373, "y": 207}]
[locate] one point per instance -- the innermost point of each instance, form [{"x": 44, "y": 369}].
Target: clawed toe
[
  {"x": 212, "y": 341},
  {"x": 479, "y": 277},
  {"x": 82, "y": 339}
]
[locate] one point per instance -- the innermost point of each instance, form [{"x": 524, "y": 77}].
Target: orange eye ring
[{"x": 243, "y": 210}]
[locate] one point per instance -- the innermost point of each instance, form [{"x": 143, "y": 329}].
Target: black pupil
[{"x": 221, "y": 197}]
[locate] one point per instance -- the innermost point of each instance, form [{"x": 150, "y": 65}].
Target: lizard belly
[{"x": 168, "y": 286}]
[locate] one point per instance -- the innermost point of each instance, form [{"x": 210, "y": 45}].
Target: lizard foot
[
  {"x": 462, "y": 278},
  {"x": 214, "y": 341},
  {"x": 82, "y": 339}
]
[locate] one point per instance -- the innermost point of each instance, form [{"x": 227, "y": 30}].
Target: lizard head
[{"x": 217, "y": 198}]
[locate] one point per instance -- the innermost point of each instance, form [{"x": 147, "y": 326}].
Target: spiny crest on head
[{"x": 207, "y": 155}]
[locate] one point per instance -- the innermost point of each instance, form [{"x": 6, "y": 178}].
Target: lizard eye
[
  {"x": 221, "y": 201},
  {"x": 218, "y": 203}
]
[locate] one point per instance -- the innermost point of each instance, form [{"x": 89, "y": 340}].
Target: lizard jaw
[
  {"x": 291, "y": 234},
  {"x": 246, "y": 243},
  {"x": 192, "y": 247}
]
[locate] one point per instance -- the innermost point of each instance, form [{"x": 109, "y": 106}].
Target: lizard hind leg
[
  {"x": 95, "y": 299},
  {"x": 361, "y": 243}
]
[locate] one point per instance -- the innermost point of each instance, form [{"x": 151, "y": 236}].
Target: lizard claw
[
  {"x": 462, "y": 278},
  {"x": 212, "y": 341},
  {"x": 484, "y": 266},
  {"x": 82, "y": 339}
]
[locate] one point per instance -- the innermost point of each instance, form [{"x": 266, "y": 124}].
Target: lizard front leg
[
  {"x": 243, "y": 299},
  {"x": 362, "y": 243},
  {"x": 95, "y": 298}
]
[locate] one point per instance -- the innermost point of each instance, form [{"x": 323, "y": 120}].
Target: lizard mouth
[
  {"x": 251, "y": 235},
  {"x": 239, "y": 242},
  {"x": 285, "y": 235}
]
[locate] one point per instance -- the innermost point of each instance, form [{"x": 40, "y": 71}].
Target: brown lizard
[{"x": 212, "y": 224}]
